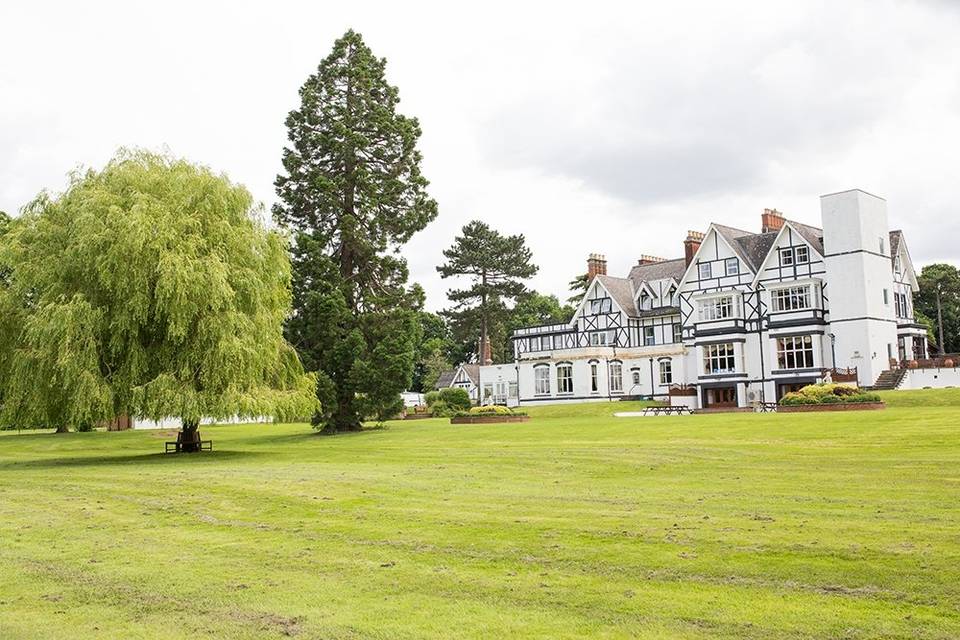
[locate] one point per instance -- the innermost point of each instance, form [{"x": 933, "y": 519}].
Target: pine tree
[
  {"x": 496, "y": 266},
  {"x": 578, "y": 287},
  {"x": 353, "y": 194}
]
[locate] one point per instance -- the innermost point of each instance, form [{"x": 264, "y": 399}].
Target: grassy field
[{"x": 574, "y": 524}]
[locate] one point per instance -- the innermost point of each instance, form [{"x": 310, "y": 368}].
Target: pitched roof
[
  {"x": 755, "y": 247},
  {"x": 895, "y": 237},
  {"x": 813, "y": 235},
  {"x": 621, "y": 290},
  {"x": 472, "y": 371},
  {"x": 658, "y": 271},
  {"x": 445, "y": 379},
  {"x": 736, "y": 238}
]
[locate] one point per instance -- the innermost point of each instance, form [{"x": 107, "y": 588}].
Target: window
[
  {"x": 513, "y": 389},
  {"x": 616, "y": 377},
  {"x": 601, "y": 305},
  {"x": 545, "y": 343},
  {"x": 594, "y": 378},
  {"x": 791, "y": 298},
  {"x": 705, "y": 272},
  {"x": 883, "y": 245},
  {"x": 541, "y": 380},
  {"x": 795, "y": 352},
  {"x": 635, "y": 376},
  {"x": 900, "y": 302},
  {"x": 886, "y": 297},
  {"x": 677, "y": 332},
  {"x": 732, "y": 266},
  {"x": 716, "y": 308},
  {"x": 666, "y": 372},
  {"x": 671, "y": 293},
  {"x": 558, "y": 342},
  {"x": 600, "y": 338},
  {"x": 897, "y": 267},
  {"x": 786, "y": 257},
  {"x": 487, "y": 390},
  {"x": 802, "y": 255},
  {"x": 648, "y": 336},
  {"x": 719, "y": 358},
  {"x": 564, "y": 378},
  {"x": 645, "y": 301}
]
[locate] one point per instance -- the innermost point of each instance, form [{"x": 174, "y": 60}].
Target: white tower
[{"x": 859, "y": 282}]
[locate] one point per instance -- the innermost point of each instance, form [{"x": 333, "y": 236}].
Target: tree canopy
[
  {"x": 941, "y": 283},
  {"x": 149, "y": 288},
  {"x": 353, "y": 193},
  {"x": 495, "y": 266}
]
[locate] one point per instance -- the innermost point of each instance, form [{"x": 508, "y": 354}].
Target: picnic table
[
  {"x": 667, "y": 411},
  {"x": 766, "y": 407}
]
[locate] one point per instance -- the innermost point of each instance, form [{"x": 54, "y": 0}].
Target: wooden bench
[
  {"x": 177, "y": 446},
  {"x": 667, "y": 411},
  {"x": 766, "y": 407}
]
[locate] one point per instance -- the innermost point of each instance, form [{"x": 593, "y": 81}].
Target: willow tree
[
  {"x": 354, "y": 194},
  {"x": 151, "y": 288}
]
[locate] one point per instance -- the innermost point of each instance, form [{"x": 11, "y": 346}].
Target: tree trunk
[
  {"x": 190, "y": 436},
  {"x": 940, "y": 322},
  {"x": 63, "y": 429}
]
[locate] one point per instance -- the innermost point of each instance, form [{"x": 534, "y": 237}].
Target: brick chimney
[
  {"x": 645, "y": 259},
  {"x": 596, "y": 266},
  {"x": 486, "y": 354},
  {"x": 691, "y": 244},
  {"x": 770, "y": 220}
]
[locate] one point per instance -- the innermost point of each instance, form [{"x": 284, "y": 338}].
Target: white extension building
[{"x": 741, "y": 318}]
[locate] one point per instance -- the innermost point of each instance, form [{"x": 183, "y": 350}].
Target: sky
[{"x": 594, "y": 127}]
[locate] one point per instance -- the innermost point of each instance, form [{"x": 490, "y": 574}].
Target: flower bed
[
  {"x": 836, "y": 406},
  {"x": 829, "y": 397},
  {"x": 489, "y": 415}
]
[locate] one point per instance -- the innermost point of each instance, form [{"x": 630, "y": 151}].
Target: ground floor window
[
  {"x": 513, "y": 390},
  {"x": 636, "y": 377},
  {"x": 564, "y": 378},
  {"x": 795, "y": 352},
  {"x": 541, "y": 381},
  {"x": 594, "y": 378},
  {"x": 616, "y": 377},
  {"x": 719, "y": 358},
  {"x": 666, "y": 372}
]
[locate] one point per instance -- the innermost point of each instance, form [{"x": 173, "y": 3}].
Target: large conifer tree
[
  {"x": 495, "y": 266},
  {"x": 353, "y": 193}
]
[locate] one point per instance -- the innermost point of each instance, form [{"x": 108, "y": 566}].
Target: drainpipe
[{"x": 653, "y": 389}]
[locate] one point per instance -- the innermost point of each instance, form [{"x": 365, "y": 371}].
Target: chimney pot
[
  {"x": 596, "y": 266},
  {"x": 770, "y": 220}
]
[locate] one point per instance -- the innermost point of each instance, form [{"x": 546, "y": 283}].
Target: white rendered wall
[
  {"x": 856, "y": 238},
  {"x": 934, "y": 378}
]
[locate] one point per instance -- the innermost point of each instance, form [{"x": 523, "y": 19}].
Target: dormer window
[
  {"x": 602, "y": 305},
  {"x": 645, "y": 301},
  {"x": 671, "y": 293}
]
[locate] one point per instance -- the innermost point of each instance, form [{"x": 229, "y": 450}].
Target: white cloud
[{"x": 612, "y": 127}]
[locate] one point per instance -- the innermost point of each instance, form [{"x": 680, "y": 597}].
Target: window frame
[
  {"x": 792, "y": 295},
  {"x": 806, "y": 255},
  {"x": 736, "y": 267},
  {"x": 594, "y": 378},
  {"x": 786, "y": 257},
  {"x": 677, "y": 332},
  {"x": 798, "y": 351},
  {"x": 651, "y": 339},
  {"x": 540, "y": 389},
  {"x": 720, "y": 354},
  {"x": 615, "y": 378},
  {"x": 714, "y": 304},
  {"x": 564, "y": 379},
  {"x": 666, "y": 372},
  {"x": 700, "y": 266}
]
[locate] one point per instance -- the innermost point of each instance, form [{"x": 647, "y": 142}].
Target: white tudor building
[{"x": 743, "y": 317}]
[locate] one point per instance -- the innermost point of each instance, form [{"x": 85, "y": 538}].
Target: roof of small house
[
  {"x": 446, "y": 379},
  {"x": 472, "y": 371},
  {"x": 658, "y": 271}
]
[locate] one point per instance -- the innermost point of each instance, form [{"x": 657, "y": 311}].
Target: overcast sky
[{"x": 588, "y": 127}]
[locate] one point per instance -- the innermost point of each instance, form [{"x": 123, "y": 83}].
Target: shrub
[
  {"x": 863, "y": 397},
  {"x": 795, "y": 397},
  {"x": 831, "y": 399},
  {"x": 441, "y": 409},
  {"x": 456, "y": 398},
  {"x": 491, "y": 410},
  {"x": 430, "y": 397}
]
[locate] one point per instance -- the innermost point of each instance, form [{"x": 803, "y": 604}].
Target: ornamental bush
[
  {"x": 441, "y": 409},
  {"x": 491, "y": 410},
  {"x": 430, "y": 397},
  {"x": 828, "y": 394},
  {"x": 456, "y": 398}
]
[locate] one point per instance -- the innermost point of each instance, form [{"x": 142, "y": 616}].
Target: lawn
[{"x": 842, "y": 525}]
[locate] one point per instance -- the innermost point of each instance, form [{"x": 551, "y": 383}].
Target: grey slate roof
[
  {"x": 755, "y": 247},
  {"x": 813, "y": 235},
  {"x": 445, "y": 379},
  {"x": 621, "y": 290},
  {"x": 660, "y": 311},
  {"x": 473, "y": 372},
  {"x": 657, "y": 271},
  {"x": 895, "y": 238}
]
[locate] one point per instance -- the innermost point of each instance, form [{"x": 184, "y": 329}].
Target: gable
[
  {"x": 719, "y": 245},
  {"x": 775, "y": 264}
]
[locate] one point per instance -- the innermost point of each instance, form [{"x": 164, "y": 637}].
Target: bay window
[
  {"x": 718, "y": 308},
  {"x": 796, "y": 298},
  {"x": 795, "y": 352},
  {"x": 719, "y": 358}
]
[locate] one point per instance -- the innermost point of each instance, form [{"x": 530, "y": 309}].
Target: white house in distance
[
  {"x": 741, "y": 318},
  {"x": 465, "y": 376}
]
